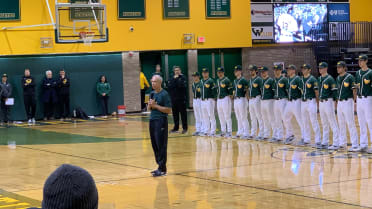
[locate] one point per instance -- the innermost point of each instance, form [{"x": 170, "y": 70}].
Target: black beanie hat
[{"x": 70, "y": 187}]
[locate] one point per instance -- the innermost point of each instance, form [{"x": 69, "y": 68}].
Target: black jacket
[
  {"x": 177, "y": 88},
  {"x": 5, "y": 90},
  {"x": 63, "y": 86},
  {"x": 28, "y": 85},
  {"x": 49, "y": 90}
]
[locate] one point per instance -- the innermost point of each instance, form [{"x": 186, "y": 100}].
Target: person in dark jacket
[
  {"x": 103, "y": 90},
  {"x": 49, "y": 95},
  {"x": 6, "y": 92},
  {"x": 28, "y": 85},
  {"x": 63, "y": 94},
  {"x": 177, "y": 89}
]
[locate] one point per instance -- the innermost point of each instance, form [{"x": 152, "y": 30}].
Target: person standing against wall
[
  {"x": 196, "y": 89},
  {"x": 103, "y": 90},
  {"x": 28, "y": 85},
  {"x": 144, "y": 85},
  {"x": 49, "y": 95},
  {"x": 6, "y": 92},
  {"x": 160, "y": 107},
  {"x": 64, "y": 94},
  {"x": 177, "y": 90}
]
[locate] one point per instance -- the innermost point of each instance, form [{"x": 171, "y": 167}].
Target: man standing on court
[
  {"x": 28, "y": 85},
  {"x": 364, "y": 101},
  {"x": 293, "y": 107},
  {"x": 224, "y": 90},
  {"x": 240, "y": 87},
  {"x": 160, "y": 107},
  {"x": 64, "y": 94},
  {"x": 309, "y": 108},
  {"x": 281, "y": 99},
  {"x": 255, "y": 85},
  {"x": 5, "y": 93},
  {"x": 327, "y": 98},
  {"x": 208, "y": 104},
  {"x": 267, "y": 102},
  {"x": 196, "y": 103},
  {"x": 345, "y": 108},
  {"x": 177, "y": 90}
]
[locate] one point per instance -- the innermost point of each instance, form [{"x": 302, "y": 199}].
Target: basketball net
[{"x": 87, "y": 37}]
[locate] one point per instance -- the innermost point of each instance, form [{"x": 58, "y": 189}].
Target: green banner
[
  {"x": 10, "y": 10},
  {"x": 131, "y": 9},
  {"x": 176, "y": 8},
  {"x": 218, "y": 8}
]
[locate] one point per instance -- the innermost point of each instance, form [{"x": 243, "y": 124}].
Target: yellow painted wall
[
  {"x": 360, "y": 10},
  {"x": 154, "y": 33}
]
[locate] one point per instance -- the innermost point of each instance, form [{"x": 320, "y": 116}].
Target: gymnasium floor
[{"x": 202, "y": 172}]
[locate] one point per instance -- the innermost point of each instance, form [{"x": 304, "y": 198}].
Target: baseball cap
[
  {"x": 252, "y": 67},
  {"x": 363, "y": 57},
  {"x": 277, "y": 67},
  {"x": 195, "y": 74},
  {"x": 292, "y": 67},
  {"x": 306, "y": 66},
  {"x": 341, "y": 64},
  {"x": 205, "y": 70},
  {"x": 220, "y": 69},
  {"x": 323, "y": 65},
  {"x": 238, "y": 67},
  {"x": 263, "y": 68},
  {"x": 5, "y": 75}
]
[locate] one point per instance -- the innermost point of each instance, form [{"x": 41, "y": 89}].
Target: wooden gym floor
[{"x": 202, "y": 172}]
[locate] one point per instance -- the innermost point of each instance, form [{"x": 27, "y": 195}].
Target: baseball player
[
  {"x": 281, "y": 99},
  {"x": 345, "y": 108},
  {"x": 327, "y": 98},
  {"x": 196, "y": 89},
  {"x": 267, "y": 102},
  {"x": 309, "y": 107},
  {"x": 255, "y": 85},
  {"x": 208, "y": 104},
  {"x": 224, "y": 90},
  {"x": 364, "y": 101},
  {"x": 240, "y": 87},
  {"x": 293, "y": 107}
]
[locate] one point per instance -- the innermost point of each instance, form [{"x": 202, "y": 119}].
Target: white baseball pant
[
  {"x": 224, "y": 114},
  {"x": 328, "y": 118},
  {"x": 345, "y": 115},
  {"x": 196, "y": 104},
  {"x": 309, "y": 111},
  {"x": 364, "y": 112},
  {"x": 267, "y": 115},
  {"x": 293, "y": 108},
  {"x": 209, "y": 120},
  {"x": 255, "y": 114},
  {"x": 279, "y": 108},
  {"x": 241, "y": 113}
]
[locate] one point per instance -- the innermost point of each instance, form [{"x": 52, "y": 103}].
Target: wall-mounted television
[{"x": 297, "y": 22}]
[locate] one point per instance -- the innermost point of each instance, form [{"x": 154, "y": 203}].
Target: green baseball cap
[
  {"x": 220, "y": 69},
  {"x": 252, "y": 67},
  {"x": 238, "y": 67},
  {"x": 5, "y": 75},
  {"x": 277, "y": 67},
  {"x": 306, "y": 66},
  {"x": 263, "y": 68},
  {"x": 363, "y": 57},
  {"x": 341, "y": 64},
  {"x": 292, "y": 67},
  {"x": 323, "y": 65},
  {"x": 196, "y": 74},
  {"x": 205, "y": 70}
]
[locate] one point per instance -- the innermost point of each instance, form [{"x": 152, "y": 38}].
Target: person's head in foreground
[
  {"x": 156, "y": 82},
  {"x": 70, "y": 187}
]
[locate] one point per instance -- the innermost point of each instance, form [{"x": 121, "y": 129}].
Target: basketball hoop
[{"x": 87, "y": 37}]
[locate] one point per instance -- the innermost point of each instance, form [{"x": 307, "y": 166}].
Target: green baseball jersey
[
  {"x": 240, "y": 87},
  {"x": 328, "y": 87},
  {"x": 208, "y": 89},
  {"x": 268, "y": 88},
  {"x": 162, "y": 99},
  {"x": 224, "y": 87},
  {"x": 294, "y": 88},
  {"x": 363, "y": 80},
  {"x": 255, "y": 85},
  {"x": 345, "y": 85},
  {"x": 310, "y": 84},
  {"x": 281, "y": 86},
  {"x": 196, "y": 89}
]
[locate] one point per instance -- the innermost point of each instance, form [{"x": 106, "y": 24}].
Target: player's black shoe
[{"x": 159, "y": 173}]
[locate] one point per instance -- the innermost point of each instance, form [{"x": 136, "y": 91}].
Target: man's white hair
[
  {"x": 157, "y": 77},
  {"x": 48, "y": 71}
]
